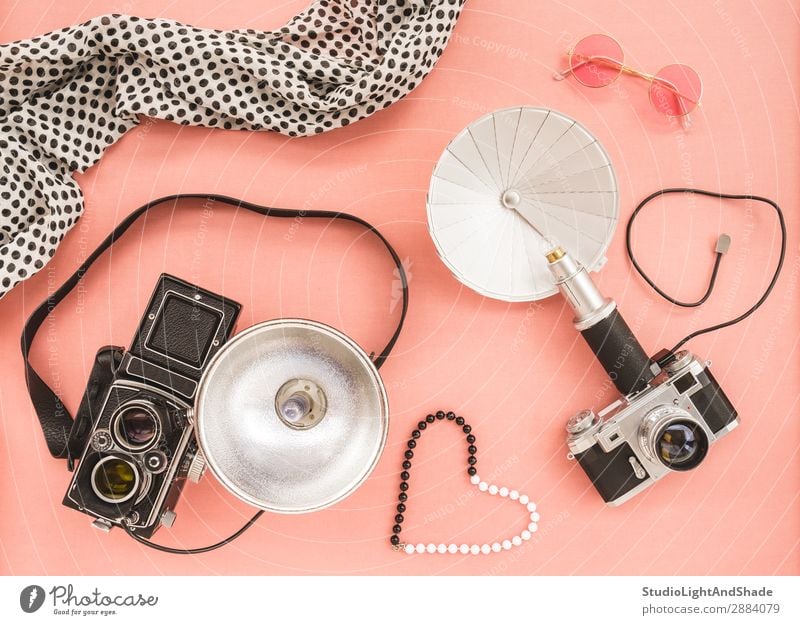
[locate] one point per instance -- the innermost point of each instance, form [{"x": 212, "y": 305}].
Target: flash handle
[{"x": 602, "y": 326}]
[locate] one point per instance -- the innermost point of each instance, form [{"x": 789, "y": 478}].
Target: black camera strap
[{"x": 56, "y": 421}]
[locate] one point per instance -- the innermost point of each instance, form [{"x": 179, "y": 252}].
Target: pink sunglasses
[{"x": 597, "y": 61}]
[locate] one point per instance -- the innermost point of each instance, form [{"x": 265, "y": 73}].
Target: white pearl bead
[
  {"x": 431, "y": 548},
  {"x": 532, "y": 527},
  {"x": 534, "y": 516},
  {"x": 531, "y": 507},
  {"x": 493, "y": 489},
  {"x": 507, "y": 545},
  {"x": 483, "y": 486},
  {"x": 496, "y": 547},
  {"x": 464, "y": 549},
  {"x": 420, "y": 548},
  {"x": 486, "y": 549},
  {"x": 513, "y": 495},
  {"x": 525, "y": 535},
  {"x": 475, "y": 479},
  {"x": 409, "y": 548},
  {"x": 475, "y": 550},
  {"x": 452, "y": 548},
  {"x": 442, "y": 548},
  {"x": 503, "y": 492},
  {"x": 517, "y": 541},
  {"x": 523, "y": 499}
]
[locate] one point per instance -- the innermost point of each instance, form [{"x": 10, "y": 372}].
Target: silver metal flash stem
[
  {"x": 601, "y": 325},
  {"x": 578, "y": 289}
]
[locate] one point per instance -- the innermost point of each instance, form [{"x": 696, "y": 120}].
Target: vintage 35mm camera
[
  {"x": 141, "y": 445},
  {"x": 669, "y": 413}
]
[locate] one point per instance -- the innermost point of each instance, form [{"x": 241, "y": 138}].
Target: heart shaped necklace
[{"x": 474, "y": 478}]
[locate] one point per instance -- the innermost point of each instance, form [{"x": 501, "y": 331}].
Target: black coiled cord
[{"x": 719, "y": 254}]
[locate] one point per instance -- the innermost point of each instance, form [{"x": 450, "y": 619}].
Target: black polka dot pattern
[{"x": 67, "y": 95}]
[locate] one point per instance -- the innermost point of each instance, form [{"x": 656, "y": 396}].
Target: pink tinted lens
[
  {"x": 676, "y": 90},
  {"x": 596, "y": 60}
]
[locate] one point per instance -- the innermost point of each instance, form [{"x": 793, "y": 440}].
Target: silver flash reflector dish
[
  {"x": 291, "y": 416},
  {"x": 510, "y": 187}
]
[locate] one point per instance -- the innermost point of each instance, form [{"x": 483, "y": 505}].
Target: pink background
[{"x": 515, "y": 371}]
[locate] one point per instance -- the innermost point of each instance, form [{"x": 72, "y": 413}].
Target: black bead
[
  {"x": 472, "y": 449},
  {"x": 398, "y": 518},
  {"x": 472, "y": 460},
  {"x": 467, "y": 429},
  {"x": 470, "y": 439},
  {"x": 397, "y": 529},
  {"x": 472, "y": 471},
  {"x": 404, "y": 486},
  {"x": 416, "y": 434},
  {"x": 460, "y": 421},
  {"x": 421, "y": 425},
  {"x": 440, "y": 415},
  {"x": 395, "y": 539},
  {"x": 406, "y": 465},
  {"x": 405, "y": 475},
  {"x": 403, "y": 496},
  {"x": 401, "y": 507},
  {"x": 451, "y": 416},
  {"x": 411, "y": 443},
  {"x": 430, "y": 418},
  {"x": 409, "y": 454}
]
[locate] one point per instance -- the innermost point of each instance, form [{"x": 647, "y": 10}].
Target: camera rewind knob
[
  {"x": 197, "y": 467},
  {"x": 581, "y": 421}
]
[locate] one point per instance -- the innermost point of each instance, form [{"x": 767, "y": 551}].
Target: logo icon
[{"x": 31, "y": 598}]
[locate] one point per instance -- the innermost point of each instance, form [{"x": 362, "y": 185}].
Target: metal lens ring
[
  {"x": 682, "y": 445},
  {"x": 115, "y": 480},
  {"x": 136, "y": 425},
  {"x": 673, "y": 437}
]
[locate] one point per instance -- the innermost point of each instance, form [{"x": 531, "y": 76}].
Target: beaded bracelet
[{"x": 475, "y": 479}]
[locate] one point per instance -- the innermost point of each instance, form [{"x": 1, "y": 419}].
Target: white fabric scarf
[{"x": 67, "y": 95}]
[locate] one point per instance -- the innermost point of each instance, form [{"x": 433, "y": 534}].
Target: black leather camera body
[{"x": 139, "y": 441}]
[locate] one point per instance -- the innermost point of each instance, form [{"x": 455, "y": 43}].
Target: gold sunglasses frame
[{"x": 622, "y": 68}]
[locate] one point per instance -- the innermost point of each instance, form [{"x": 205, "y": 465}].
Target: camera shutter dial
[
  {"x": 101, "y": 440},
  {"x": 581, "y": 421}
]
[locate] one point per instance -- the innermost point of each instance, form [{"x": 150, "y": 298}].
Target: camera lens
[
  {"x": 114, "y": 480},
  {"x": 136, "y": 426},
  {"x": 682, "y": 445}
]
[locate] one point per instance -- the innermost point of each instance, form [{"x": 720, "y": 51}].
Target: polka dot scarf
[{"x": 68, "y": 95}]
